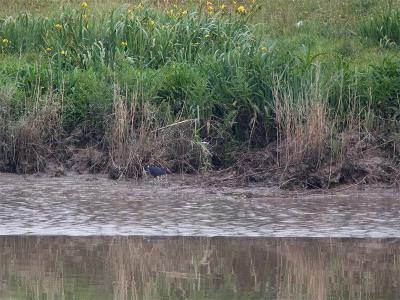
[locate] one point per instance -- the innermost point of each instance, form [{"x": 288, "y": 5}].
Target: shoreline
[{"x": 207, "y": 181}]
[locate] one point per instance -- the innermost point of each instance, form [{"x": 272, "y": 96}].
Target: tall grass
[
  {"x": 28, "y": 141},
  {"x": 136, "y": 137},
  {"x": 383, "y": 28},
  {"x": 303, "y": 122}
]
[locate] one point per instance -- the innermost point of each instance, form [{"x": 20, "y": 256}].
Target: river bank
[
  {"x": 362, "y": 162},
  {"x": 300, "y": 94}
]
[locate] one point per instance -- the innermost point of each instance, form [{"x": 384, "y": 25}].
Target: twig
[
  {"x": 377, "y": 146},
  {"x": 352, "y": 185},
  {"x": 174, "y": 124}
]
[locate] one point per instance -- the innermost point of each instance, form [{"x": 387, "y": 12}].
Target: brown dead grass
[
  {"x": 29, "y": 141},
  {"x": 136, "y": 139},
  {"x": 302, "y": 123},
  {"x": 311, "y": 151}
]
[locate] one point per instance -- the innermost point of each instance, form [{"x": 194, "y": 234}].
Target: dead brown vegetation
[
  {"x": 303, "y": 124},
  {"x": 27, "y": 143},
  {"x": 136, "y": 138},
  {"x": 311, "y": 149}
]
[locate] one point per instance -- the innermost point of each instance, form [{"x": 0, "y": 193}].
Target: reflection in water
[{"x": 198, "y": 268}]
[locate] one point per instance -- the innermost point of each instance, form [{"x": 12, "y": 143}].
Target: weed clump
[{"x": 383, "y": 28}]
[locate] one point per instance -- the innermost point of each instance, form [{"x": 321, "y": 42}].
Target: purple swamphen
[{"x": 155, "y": 171}]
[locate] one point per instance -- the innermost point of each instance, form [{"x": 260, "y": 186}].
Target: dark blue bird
[{"x": 155, "y": 171}]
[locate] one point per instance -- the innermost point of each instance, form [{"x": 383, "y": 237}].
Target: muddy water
[
  {"x": 80, "y": 206},
  {"x": 74, "y": 238},
  {"x": 198, "y": 268}
]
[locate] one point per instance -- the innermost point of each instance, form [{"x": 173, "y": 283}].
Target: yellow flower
[
  {"x": 48, "y": 49},
  {"x": 131, "y": 14},
  {"x": 210, "y": 8},
  {"x": 85, "y": 16},
  {"x": 124, "y": 43},
  {"x": 62, "y": 52},
  {"x": 5, "y": 42},
  {"x": 264, "y": 49},
  {"x": 183, "y": 13},
  {"x": 241, "y": 10},
  {"x": 58, "y": 26},
  {"x": 84, "y": 4},
  {"x": 222, "y": 7},
  {"x": 151, "y": 23}
]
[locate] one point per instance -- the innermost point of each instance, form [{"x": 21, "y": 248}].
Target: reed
[
  {"x": 303, "y": 124},
  {"x": 28, "y": 141}
]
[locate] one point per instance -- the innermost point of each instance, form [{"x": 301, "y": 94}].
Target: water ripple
[{"x": 78, "y": 207}]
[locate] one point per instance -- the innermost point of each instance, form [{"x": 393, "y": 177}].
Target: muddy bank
[
  {"x": 361, "y": 159},
  {"x": 361, "y": 165},
  {"x": 367, "y": 166}
]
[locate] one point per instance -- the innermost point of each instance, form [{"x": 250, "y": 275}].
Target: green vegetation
[{"x": 208, "y": 77}]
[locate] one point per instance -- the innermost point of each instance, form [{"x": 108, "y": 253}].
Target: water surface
[
  {"x": 82, "y": 205},
  {"x": 92, "y": 238},
  {"x": 198, "y": 268}
]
